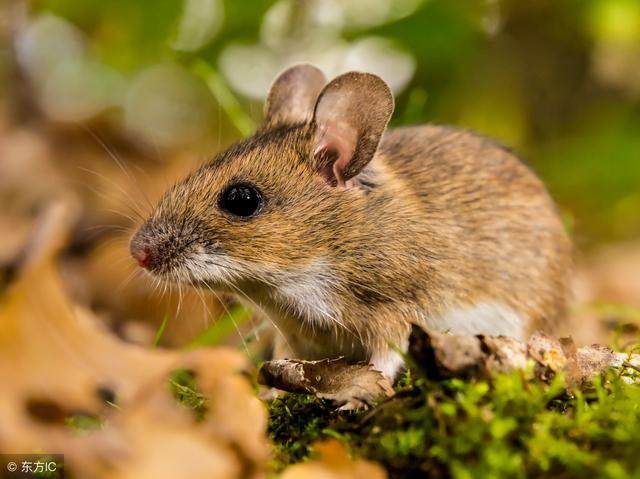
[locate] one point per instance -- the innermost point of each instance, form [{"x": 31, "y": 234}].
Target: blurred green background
[{"x": 557, "y": 80}]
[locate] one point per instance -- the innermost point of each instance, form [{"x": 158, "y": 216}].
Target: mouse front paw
[{"x": 351, "y": 386}]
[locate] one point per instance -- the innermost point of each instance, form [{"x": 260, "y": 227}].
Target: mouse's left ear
[
  {"x": 293, "y": 95},
  {"x": 351, "y": 115}
]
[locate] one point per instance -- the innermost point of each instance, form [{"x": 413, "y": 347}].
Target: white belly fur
[{"x": 483, "y": 318}]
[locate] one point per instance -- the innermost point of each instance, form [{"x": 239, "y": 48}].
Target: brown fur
[{"x": 440, "y": 218}]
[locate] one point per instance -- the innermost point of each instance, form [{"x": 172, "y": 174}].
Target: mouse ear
[
  {"x": 293, "y": 95},
  {"x": 351, "y": 114}
]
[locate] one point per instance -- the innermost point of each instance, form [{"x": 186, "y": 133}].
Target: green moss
[
  {"x": 184, "y": 387},
  {"x": 511, "y": 426},
  {"x": 296, "y": 421},
  {"x": 83, "y": 423}
]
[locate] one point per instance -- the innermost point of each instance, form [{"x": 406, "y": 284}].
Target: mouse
[{"x": 345, "y": 233}]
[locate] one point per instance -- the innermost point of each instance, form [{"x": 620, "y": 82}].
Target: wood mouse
[{"x": 345, "y": 234}]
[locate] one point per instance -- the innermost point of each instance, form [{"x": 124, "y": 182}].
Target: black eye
[{"x": 241, "y": 200}]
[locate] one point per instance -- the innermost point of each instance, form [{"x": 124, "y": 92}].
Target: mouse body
[{"x": 344, "y": 233}]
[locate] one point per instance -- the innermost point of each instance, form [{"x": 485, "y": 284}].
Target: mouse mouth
[
  {"x": 180, "y": 257},
  {"x": 160, "y": 251}
]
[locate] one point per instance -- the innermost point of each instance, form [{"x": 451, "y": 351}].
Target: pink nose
[{"x": 142, "y": 255}]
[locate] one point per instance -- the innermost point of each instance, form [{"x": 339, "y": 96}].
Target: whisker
[
  {"x": 205, "y": 309},
  {"x": 118, "y": 162},
  {"x": 244, "y": 343},
  {"x": 132, "y": 201},
  {"x": 275, "y": 326}
]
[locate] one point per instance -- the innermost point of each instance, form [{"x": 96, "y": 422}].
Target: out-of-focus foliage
[{"x": 557, "y": 80}]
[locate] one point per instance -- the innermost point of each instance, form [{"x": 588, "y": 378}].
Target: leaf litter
[{"x": 57, "y": 362}]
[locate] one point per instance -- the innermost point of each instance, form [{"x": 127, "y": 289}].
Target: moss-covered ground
[{"x": 510, "y": 426}]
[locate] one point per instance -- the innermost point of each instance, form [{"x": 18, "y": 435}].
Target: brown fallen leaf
[
  {"x": 349, "y": 385},
  {"x": 334, "y": 463},
  {"x": 548, "y": 355},
  {"x": 443, "y": 356},
  {"x": 57, "y": 361},
  {"x": 585, "y": 363},
  {"x": 503, "y": 354}
]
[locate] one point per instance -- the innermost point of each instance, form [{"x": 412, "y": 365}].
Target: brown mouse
[{"x": 345, "y": 234}]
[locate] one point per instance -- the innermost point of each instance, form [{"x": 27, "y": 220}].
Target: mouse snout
[
  {"x": 159, "y": 248},
  {"x": 142, "y": 254},
  {"x": 141, "y": 251}
]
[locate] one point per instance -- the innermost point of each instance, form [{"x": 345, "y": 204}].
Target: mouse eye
[{"x": 241, "y": 200}]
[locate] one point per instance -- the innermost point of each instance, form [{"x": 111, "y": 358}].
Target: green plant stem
[
  {"x": 222, "y": 327},
  {"x": 225, "y": 97}
]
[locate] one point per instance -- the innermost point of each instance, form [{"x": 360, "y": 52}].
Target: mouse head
[{"x": 280, "y": 202}]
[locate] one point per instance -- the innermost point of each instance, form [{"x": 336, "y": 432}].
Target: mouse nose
[
  {"x": 142, "y": 255},
  {"x": 141, "y": 251}
]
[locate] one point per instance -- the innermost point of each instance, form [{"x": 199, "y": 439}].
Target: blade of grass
[
  {"x": 221, "y": 328},
  {"x": 160, "y": 331},
  {"x": 225, "y": 97}
]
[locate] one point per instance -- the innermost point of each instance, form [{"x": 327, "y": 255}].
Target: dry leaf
[
  {"x": 56, "y": 361},
  {"x": 585, "y": 363},
  {"x": 503, "y": 354},
  {"x": 443, "y": 356},
  {"x": 349, "y": 385},
  {"x": 334, "y": 463},
  {"x": 547, "y": 353}
]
